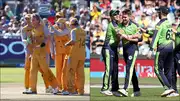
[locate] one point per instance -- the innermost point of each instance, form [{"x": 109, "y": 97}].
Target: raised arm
[{"x": 60, "y": 33}]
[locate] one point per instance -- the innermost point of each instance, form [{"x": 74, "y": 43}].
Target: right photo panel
[{"x": 134, "y": 50}]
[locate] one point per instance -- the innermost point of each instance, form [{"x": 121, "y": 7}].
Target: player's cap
[
  {"x": 163, "y": 9},
  {"x": 61, "y": 20},
  {"x": 73, "y": 21},
  {"x": 60, "y": 14},
  {"x": 114, "y": 12}
]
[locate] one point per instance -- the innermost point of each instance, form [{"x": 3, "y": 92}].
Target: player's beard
[{"x": 125, "y": 22}]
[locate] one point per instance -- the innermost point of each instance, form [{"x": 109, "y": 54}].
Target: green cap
[{"x": 114, "y": 12}]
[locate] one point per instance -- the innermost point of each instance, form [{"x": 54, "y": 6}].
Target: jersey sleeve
[
  {"x": 23, "y": 36},
  {"x": 62, "y": 33},
  {"x": 155, "y": 38},
  {"x": 73, "y": 35},
  {"x": 46, "y": 31},
  {"x": 108, "y": 33},
  {"x": 52, "y": 47}
]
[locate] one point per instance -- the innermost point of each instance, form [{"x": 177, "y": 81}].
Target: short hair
[
  {"x": 127, "y": 11},
  {"x": 36, "y": 16}
]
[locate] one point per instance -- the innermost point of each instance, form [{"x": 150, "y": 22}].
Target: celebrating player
[
  {"x": 58, "y": 52},
  {"x": 130, "y": 51},
  {"x": 110, "y": 56},
  {"x": 76, "y": 58},
  {"x": 164, "y": 56},
  {"x": 27, "y": 39},
  {"x": 38, "y": 59}
]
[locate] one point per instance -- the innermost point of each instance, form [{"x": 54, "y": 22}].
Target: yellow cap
[
  {"x": 61, "y": 20},
  {"x": 59, "y": 14},
  {"x": 73, "y": 21}
]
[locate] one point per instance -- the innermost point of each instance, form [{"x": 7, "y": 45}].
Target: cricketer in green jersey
[{"x": 162, "y": 40}]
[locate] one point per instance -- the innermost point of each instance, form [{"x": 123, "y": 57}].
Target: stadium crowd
[
  {"x": 10, "y": 23},
  {"x": 143, "y": 13}
]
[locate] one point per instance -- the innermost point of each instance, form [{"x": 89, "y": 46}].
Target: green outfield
[
  {"x": 148, "y": 94},
  {"x": 16, "y": 75}
]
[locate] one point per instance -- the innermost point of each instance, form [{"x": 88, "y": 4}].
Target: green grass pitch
[
  {"x": 16, "y": 75},
  {"x": 148, "y": 94}
]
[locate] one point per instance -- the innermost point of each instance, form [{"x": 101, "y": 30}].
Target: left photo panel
[{"x": 44, "y": 50}]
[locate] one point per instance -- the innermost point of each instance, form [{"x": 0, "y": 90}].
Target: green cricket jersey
[
  {"x": 162, "y": 35},
  {"x": 111, "y": 35},
  {"x": 131, "y": 29}
]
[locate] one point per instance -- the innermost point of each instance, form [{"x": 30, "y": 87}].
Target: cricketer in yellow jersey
[
  {"x": 76, "y": 58},
  {"x": 26, "y": 38},
  {"x": 58, "y": 52},
  {"x": 40, "y": 34}
]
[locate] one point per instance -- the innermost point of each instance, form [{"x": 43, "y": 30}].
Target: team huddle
[
  {"x": 65, "y": 43},
  {"x": 164, "y": 40}
]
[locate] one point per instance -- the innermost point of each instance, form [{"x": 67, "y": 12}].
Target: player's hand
[
  {"x": 53, "y": 56},
  {"x": 149, "y": 55},
  {"x": 142, "y": 30},
  {"x": 124, "y": 36}
]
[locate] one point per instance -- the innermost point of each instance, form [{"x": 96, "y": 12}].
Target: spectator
[
  {"x": 137, "y": 13},
  {"x": 137, "y": 5},
  {"x": 149, "y": 8},
  {"x": 105, "y": 18},
  {"x": 154, "y": 20},
  {"x": 95, "y": 13},
  {"x": 105, "y": 4},
  {"x": 4, "y": 20},
  {"x": 8, "y": 12},
  {"x": 143, "y": 22},
  {"x": 163, "y": 2}
]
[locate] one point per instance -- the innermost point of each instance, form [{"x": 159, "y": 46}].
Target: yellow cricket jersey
[
  {"x": 60, "y": 42},
  {"x": 78, "y": 50}
]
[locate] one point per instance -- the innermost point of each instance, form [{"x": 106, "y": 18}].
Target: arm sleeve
[
  {"x": 64, "y": 32},
  {"x": 52, "y": 47},
  {"x": 23, "y": 36},
  {"x": 155, "y": 38},
  {"x": 46, "y": 31},
  {"x": 108, "y": 33},
  {"x": 73, "y": 35}
]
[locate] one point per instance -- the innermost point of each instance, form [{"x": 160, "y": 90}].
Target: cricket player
[
  {"x": 162, "y": 40},
  {"x": 40, "y": 34},
  {"x": 110, "y": 56},
  {"x": 130, "y": 52},
  {"x": 176, "y": 31},
  {"x": 26, "y": 38},
  {"x": 58, "y": 52},
  {"x": 76, "y": 58}
]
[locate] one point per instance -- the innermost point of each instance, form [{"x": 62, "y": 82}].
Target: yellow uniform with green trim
[{"x": 76, "y": 60}]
